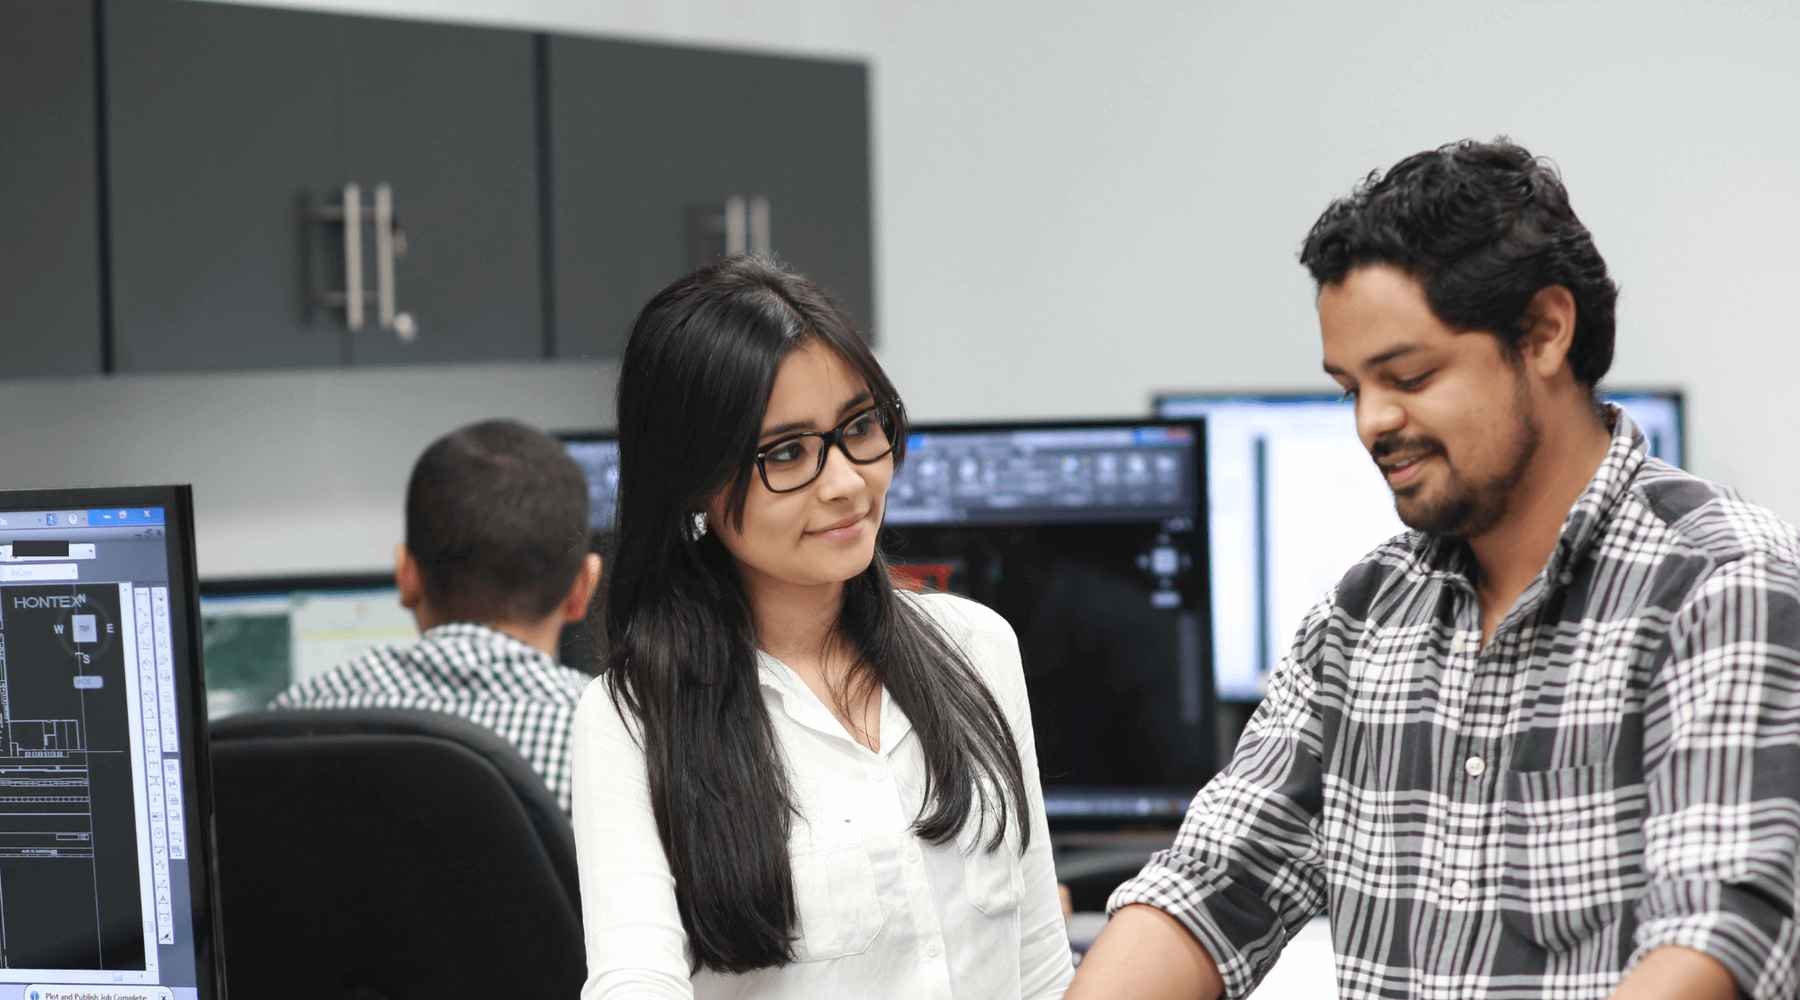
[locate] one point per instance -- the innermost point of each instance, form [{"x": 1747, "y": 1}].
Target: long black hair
[{"x": 681, "y": 644}]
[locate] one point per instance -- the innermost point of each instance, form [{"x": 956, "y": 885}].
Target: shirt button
[
  {"x": 912, "y": 855},
  {"x": 1475, "y": 767},
  {"x": 1459, "y": 889},
  {"x": 933, "y": 950}
]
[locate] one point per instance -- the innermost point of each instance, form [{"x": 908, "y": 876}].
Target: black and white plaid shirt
[
  {"x": 470, "y": 671},
  {"x": 1617, "y": 771}
]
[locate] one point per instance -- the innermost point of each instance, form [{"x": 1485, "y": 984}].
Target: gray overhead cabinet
[
  {"x": 663, "y": 158},
  {"x": 50, "y": 239},
  {"x": 302, "y": 189},
  {"x": 213, "y": 186}
]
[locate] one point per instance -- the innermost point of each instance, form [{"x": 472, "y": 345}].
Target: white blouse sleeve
[
  {"x": 1045, "y": 965},
  {"x": 636, "y": 948}
]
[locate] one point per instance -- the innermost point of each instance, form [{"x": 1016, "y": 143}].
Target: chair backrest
[{"x": 383, "y": 854}]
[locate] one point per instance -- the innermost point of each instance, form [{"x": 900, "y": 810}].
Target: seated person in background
[
  {"x": 495, "y": 562},
  {"x": 1542, "y": 745}
]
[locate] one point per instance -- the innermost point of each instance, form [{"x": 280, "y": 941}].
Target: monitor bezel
[
  {"x": 1673, "y": 393},
  {"x": 253, "y": 586},
  {"x": 1199, "y": 550},
  {"x": 585, "y": 436},
  {"x": 177, "y": 502}
]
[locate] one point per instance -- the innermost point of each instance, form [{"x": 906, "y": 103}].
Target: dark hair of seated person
[{"x": 497, "y": 520}]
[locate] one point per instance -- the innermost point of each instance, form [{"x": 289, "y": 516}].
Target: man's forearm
[
  {"x": 1145, "y": 954},
  {"x": 1672, "y": 973}
]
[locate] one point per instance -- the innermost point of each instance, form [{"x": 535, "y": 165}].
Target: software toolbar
[{"x": 1097, "y": 474}]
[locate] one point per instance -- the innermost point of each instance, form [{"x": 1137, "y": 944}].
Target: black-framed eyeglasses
[{"x": 793, "y": 462}]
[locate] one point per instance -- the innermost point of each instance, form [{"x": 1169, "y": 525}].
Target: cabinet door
[
  {"x": 49, "y": 186},
  {"x": 447, "y": 117},
  {"x": 223, "y": 126},
  {"x": 645, "y": 138}
]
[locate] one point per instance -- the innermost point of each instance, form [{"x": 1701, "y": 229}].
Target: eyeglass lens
[{"x": 798, "y": 461}]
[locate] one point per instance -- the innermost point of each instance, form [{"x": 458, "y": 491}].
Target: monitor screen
[
  {"x": 1275, "y": 552},
  {"x": 1660, "y": 416},
  {"x": 106, "y": 860},
  {"x": 1090, "y": 540},
  {"x": 262, "y": 635},
  {"x": 598, "y": 455}
]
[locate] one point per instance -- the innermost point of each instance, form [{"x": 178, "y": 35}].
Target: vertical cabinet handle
[
  {"x": 390, "y": 242},
  {"x": 353, "y": 265},
  {"x": 384, "y": 256},
  {"x": 746, "y": 224}
]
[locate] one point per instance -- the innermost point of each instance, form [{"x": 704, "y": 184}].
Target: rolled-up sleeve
[
  {"x": 1244, "y": 872},
  {"x": 1722, "y": 766}
]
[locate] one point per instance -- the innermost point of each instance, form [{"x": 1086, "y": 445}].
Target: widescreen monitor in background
[
  {"x": 1090, "y": 539},
  {"x": 263, "y": 634},
  {"x": 1295, "y": 500},
  {"x": 107, "y": 867}
]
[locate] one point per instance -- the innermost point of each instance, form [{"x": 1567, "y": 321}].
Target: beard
[{"x": 1461, "y": 506}]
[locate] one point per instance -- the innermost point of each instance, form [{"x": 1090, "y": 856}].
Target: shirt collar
[
  {"x": 775, "y": 675},
  {"x": 1587, "y": 519},
  {"x": 805, "y": 708},
  {"x": 467, "y": 634}
]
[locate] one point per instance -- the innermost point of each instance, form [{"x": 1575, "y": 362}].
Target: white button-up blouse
[{"x": 882, "y": 913}]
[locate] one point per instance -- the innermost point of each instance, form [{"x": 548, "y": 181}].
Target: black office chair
[{"x": 379, "y": 854}]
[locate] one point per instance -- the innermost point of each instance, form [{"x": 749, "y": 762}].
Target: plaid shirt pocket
[{"x": 1574, "y": 848}]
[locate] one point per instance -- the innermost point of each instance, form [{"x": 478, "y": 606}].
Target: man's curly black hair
[{"x": 1483, "y": 226}]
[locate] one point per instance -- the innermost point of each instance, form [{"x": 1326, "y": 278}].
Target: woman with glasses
[{"x": 793, "y": 780}]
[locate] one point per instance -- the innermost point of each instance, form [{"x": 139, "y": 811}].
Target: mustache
[{"x": 1389, "y": 445}]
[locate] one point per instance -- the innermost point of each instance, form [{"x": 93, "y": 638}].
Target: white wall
[
  {"x": 1078, "y": 203},
  {"x": 292, "y": 471}
]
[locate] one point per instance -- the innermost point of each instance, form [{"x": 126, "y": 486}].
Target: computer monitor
[
  {"x": 1090, "y": 539},
  {"x": 1295, "y": 501},
  {"x": 107, "y": 868},
  {"x": 263, "y": 634},
  {"x": 597, "y": 452},
  {"x": 1659, "y": 413}
]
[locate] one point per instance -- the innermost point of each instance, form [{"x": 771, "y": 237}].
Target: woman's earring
[{"x": 697, "y": 526}]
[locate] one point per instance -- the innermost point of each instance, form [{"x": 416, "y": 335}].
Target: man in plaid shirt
[
  {"x": 495, "y": 562},
  {"x": 1546, "y": 744}
]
